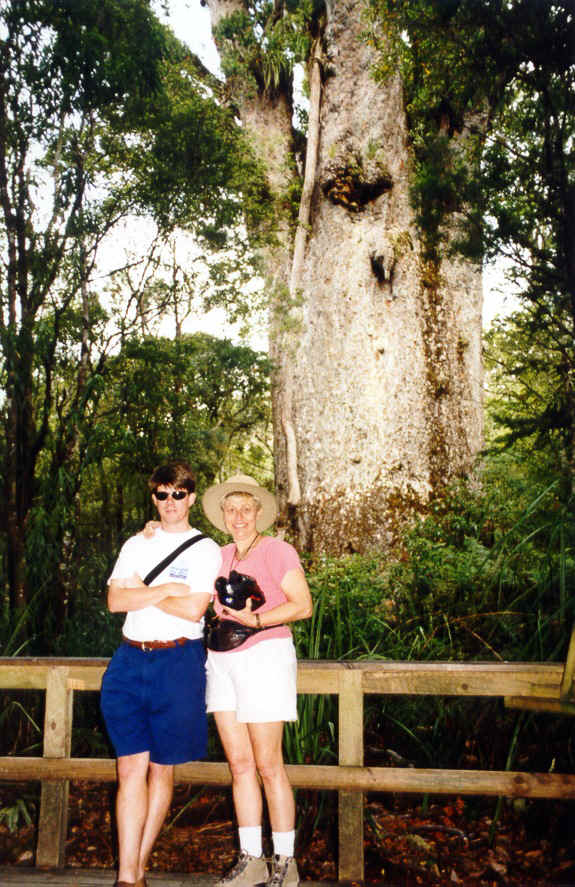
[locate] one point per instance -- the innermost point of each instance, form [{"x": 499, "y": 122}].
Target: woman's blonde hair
[{"x": 245, "y": 495}]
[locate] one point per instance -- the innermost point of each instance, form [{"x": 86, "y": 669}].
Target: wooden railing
[{"x": 531, "y": 685}]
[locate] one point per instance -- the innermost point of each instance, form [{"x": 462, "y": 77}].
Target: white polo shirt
[{"x": 197, "y": 567}]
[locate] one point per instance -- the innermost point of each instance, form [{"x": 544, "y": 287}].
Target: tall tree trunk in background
[{"x": 378, "y": 378}]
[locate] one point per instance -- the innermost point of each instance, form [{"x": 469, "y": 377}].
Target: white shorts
[{"x": 259, "y": 684}]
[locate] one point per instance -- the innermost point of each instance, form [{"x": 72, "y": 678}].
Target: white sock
[
  {"x": 284, "y": 843},
  {"x": 251, "y": 839}
]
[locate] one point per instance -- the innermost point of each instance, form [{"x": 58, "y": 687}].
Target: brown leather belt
[{"x": 147, "y": 646}]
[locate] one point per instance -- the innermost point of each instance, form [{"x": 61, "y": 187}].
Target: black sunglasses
[{"x": 162, "y": 495}]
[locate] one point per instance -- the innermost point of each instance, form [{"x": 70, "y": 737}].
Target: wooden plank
[
  {"x": 17, "y": 876},
  {"x": 435, "y": 781},
  {"x": 438, "y": 678},
  {"x": 361, "y": 779},
  {"x": 319, "y": 681},
  {"x": 540, "y": 703},
  {"x": 58, "y": 714},
  {"x": 20, "y": 876},
  {"x": 465, "y": 679},
  {"x": 53, "y": 819},
  {"x": 32, "y": 674},
  {"x": 350, "y": 718},
  {"x": 23, "y": 677},
  {"x": 385, "y": 677},
  {"x": 350, "y": 804},
  {"x": 32, "y": 769},
  {"x": 69, "y": 662}
]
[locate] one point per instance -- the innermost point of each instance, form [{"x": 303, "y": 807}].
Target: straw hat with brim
[{"x": 239, "y": 483}]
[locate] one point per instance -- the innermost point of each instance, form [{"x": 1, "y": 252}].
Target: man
[{"x": 153, "y": 691}]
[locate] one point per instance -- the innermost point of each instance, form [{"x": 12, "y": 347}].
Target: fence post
[
  {"x": 53, "y": 820},
  {"x": 565, "y": 691},
  {"x": 350, "y": 804}
]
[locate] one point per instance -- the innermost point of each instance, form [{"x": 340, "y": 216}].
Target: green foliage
[
  {"x": 16, "y": 815},
  {"x": 196, "y": 394},
  {"x": 77, "y": 56},
  {"x": 530, "y": 392},
  {"x": 261, "y": 44},
  {"x": 344, "y": 625},
  {"x": 484, "y": 572},
  {"x": 197, "y": 397},
  {"x": 479, "y": 575},
  {"x": 14, "y": 637},
  {"x": 347, "y": 598},
  {"x": 477, "y": 68},
  {"x": 95, "y": 134},
  {"x": 349, "y": 619},
  {"x": 528, "y": 159},
  {"x": 21, "y": 715},
  {"x": 197, "y": 170},
  {"x": 439, "y": 49},
  {"x": 529, "y": 183}
]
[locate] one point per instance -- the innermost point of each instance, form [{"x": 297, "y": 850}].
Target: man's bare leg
[
  {"x": 131, "y": 811},
  {"x": 160, "y": 791}
]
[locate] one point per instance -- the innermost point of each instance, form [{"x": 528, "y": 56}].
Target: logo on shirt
[{"x": 178, "y": 573}]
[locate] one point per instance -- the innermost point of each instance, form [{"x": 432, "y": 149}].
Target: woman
[{"x": 251, "y": 689}]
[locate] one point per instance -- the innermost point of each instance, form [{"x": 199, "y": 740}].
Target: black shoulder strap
[{"x": 155, "y": 571}]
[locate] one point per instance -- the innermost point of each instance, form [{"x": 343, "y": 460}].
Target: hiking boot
[
  {"x": 247, "y": 872},
  {"x": 285, "y": 873}
]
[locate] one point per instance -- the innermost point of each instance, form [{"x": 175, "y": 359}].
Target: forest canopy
[{"x": 95, "y": 137}]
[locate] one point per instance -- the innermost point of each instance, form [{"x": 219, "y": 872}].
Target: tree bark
[{"x": 377, "y": 390}]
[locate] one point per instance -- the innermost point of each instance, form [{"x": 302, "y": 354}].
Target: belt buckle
[{"x": 145, "y": 647}]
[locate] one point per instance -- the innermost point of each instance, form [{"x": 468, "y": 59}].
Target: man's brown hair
[{"x": 176, "y": 474}]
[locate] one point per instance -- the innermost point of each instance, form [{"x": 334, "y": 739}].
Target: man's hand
[
  {"x": 133, "y": 581},
  {"x": 186, "y": 606},
  {"x": 175, "y": 589},
  {"x": 125, "y": 595}
]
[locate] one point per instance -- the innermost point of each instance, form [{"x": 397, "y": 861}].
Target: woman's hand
[
  {"x": 297, "y": 606},
  {"x": 150, "y": 528},
  {"x": 245, "y": 616}
]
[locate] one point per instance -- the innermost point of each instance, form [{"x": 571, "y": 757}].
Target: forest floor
[{"x": 447, "y": 843}]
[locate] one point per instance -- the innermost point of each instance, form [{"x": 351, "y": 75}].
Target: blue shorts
[{"x": 155, "y": 701}]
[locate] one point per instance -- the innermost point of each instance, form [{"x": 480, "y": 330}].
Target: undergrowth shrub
[{"x": 485, "y": 575}]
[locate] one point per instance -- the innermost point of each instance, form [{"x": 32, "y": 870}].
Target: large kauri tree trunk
[{"x": 378, "y": 381}]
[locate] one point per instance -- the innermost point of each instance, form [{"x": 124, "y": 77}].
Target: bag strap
[{"x": 155, "y": 571}]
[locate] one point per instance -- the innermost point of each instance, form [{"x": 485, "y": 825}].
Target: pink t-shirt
[{"x": 267, "y": 563}]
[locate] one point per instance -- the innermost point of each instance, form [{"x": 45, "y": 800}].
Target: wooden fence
[{"x": 524, "y": 685}]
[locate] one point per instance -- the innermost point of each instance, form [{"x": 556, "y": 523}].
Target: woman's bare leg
[{"x": 246, "y": 789}]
